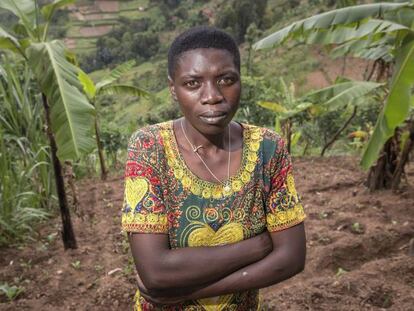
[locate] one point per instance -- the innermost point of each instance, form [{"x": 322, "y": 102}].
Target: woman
[{"x": 210, "y": 208}]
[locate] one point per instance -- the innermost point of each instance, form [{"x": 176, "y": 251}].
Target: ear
[{"x": 172, "y": 88}]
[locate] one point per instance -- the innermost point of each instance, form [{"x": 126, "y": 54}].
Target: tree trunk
[
  {"x": 403, "y": 159},
  {"x": 68, "y": 236},
  {"x": 104, "y": 172},
  {"x": 380, "y": 175},
  {"x": 335, "y": 137},
  {"x": 288, "y": 134}
]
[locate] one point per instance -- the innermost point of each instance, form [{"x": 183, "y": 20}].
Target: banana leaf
[
  {"x": 49, "y": 9},
  {"x": 115, "y": 74},
  {"x": 72, "y": 116},
  {"x": 341, "y": 94},
  {"x": 355, "y": 31},
  {"x": 275, "y": 107},
  {"x": 87, "y": 84},
  {"x": 122, "y": 89},
  {"x": 343, "y": 16},
  {"x": 24, "y": 10},
  {"x": 397, "y": 106},
  {"x": 7, "y": 41}
]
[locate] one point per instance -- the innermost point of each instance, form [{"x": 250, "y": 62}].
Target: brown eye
[
  {"x": 192, "y": 83},
  {"x": 224, "y": 81}
]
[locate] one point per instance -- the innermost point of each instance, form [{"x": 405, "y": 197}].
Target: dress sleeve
[
  {"x": 143, "y": 209},
  {"x": 283, "y": 206}
]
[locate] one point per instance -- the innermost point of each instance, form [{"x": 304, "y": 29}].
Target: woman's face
[{"x": 207, "y": 86}]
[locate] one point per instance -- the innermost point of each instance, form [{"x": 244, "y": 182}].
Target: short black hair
[{"x": 198, "y": 38}]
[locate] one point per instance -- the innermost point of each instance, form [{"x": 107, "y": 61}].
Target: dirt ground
[{"x": 357, "y": 258}]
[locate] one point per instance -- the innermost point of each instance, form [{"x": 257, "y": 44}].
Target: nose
[{"x": 211, "y": 94}]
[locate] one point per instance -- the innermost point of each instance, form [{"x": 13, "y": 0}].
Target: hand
[
  {"x": 163, "y": 300},
  {"x": 156, "y": 298},
  {"x": 261, "y": 244}
]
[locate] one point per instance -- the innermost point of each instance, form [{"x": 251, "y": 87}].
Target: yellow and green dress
[{"x": 163, "y": 196}]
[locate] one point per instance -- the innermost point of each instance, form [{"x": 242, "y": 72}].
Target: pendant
[{"x": 227, "y": 188}]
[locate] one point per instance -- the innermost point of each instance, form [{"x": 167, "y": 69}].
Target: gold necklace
[{"x": 226, "y": 185}]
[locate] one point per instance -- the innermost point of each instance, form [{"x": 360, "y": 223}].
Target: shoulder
[
  {"x": 272, "y": 143},
  {"x": 146, "y": 137}
]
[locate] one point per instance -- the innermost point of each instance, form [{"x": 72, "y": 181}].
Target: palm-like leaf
[
  {"x": 122, "y": 89},
  {"x": 354, "y": 31},
  {"x": 87, "y": 84},
  {"x": 272, "y": 106},
  {"x": 7, "y": 41},
  {"x": 341, "y": 94},
  {"x": 24, "y": 10},
  {"x": 344, "y": 16},
  {"x": 371, "y": 49},
  {"x": 397, "y": 106},
  {"x": 115, "y": 74},
  {"x": 71, "y": 113},
  {"x": 49, "y": 9}
]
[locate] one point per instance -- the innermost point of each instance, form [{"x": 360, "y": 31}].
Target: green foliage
[
  {"x": 341, "y": 94},
  {"x": 354, "y": 27},
  {"x": 255, "y": 89},
  {"x": 71, "y": 113},
  {"x": 11, "y": 292},
  {"x": 25, "y": 179},
  {"x": 113, "y": 141},
  {"x": 131, "y": 40},
  {"x": 397, "y": 106},
  {"x": 76, "y": 264},
  {"x": 327, "y": 21},
  {"x": 237, "y": 15},
  {"x": 163, "y": 109}
]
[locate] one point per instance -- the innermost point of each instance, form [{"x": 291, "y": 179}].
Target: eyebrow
[{"x": 222, "y": 73}]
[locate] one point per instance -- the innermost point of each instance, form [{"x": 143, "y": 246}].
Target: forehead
[{"x": 204, "y": 60}]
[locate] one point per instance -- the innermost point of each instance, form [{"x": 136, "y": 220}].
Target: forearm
[
  {"x": 272, "y": 269},
  {"x": 268, "y": 271},
  {"x": 190, "y": 267},
  {"x": 286, "y": 260}
]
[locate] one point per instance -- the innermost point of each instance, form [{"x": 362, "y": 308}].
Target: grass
[
  {"x": 130, "y": 5},
  {"x": 86, "y": 43}
]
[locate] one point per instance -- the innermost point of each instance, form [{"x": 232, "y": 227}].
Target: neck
[{"x": 217, "y": 141}]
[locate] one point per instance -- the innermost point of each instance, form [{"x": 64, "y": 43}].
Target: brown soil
[
  {"x": 329, "y": 69},
  {"x": 357, "y": 249}
]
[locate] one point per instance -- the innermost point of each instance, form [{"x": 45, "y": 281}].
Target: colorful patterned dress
[{"x": 163, "y": 196}]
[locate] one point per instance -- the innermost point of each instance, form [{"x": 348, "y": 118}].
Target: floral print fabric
[{"x": 163, "y": 196}]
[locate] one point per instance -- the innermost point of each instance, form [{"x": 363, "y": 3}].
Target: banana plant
[
  {"x": 108, "y": 86},
  {"x": 343, "y": 93},
  {"x": 374, "y": 31},
  {"x": 69, "y": 115},
  {"x": 286, "y": 110}
]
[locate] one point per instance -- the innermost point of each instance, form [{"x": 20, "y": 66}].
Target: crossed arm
[{"x": 171, "y": 276}]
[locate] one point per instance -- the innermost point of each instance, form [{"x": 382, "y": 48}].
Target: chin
[{"x": 212, "y": 129}]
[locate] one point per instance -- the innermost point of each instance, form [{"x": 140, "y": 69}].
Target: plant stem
[
  {"x": 104, "y": 172},
  {"x": 335, "y": 137},
  {"x": 68, "y": 236}
]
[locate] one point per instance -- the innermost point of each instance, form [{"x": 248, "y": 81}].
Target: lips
[{"x": 213, "y": 117}]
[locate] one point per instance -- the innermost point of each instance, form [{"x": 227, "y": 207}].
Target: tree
[
  {"x": 286, "y": 110},
  {"x": 107, "y": 86},
  {"x": 237, "y": 16},
  {"x": 68, "y": 114},
  {"x": 289, "y": 108},
  {"x": 375, "y": 32}
]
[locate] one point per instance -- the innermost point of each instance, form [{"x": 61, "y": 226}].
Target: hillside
[{"x": 106, "y": 33}]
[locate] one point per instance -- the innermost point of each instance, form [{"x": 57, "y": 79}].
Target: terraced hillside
[{"x": 93, "y": 19}]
